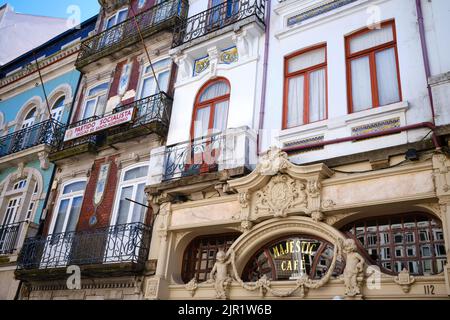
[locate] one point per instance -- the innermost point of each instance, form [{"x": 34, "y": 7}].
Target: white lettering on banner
[{"x": 100, "y": 124}]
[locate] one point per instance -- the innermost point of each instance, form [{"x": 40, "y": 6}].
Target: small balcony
[
  {"x": 148, "y": 115},
  {"x": 9, "y": 238},
  {"x": 233, "y": 150},
  {"x": 115, "y": 250},
  {"x": 218, "y": 20},
  {"x": 14, "y": 146},
  {"x": 124, "y": 36}
]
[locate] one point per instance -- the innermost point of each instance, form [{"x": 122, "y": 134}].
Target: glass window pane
[
  {"x": 371, "y": 39},
  {"x": 122, "y": 16},
  {"x": 148, "y": 87},
  {"x": 217, "y": 89},
  {"x": 139, "y": 211},
  {"x": 89, "y": 109},
  {"x": 96, "y": 90},
  {"x": 201, "y": 125},
  {"x": 220, "y": 116},
  {"x": 74, "y": 214},
  {"x": 388, "y": 91},
  {"x": 124, "y": 205},
  {"x": 135, "y": 173},
  {"x": 74, "y": 187},
  {"x": 158, "y": 65},
  {"x": 295, "y": 102},
  {"x": 163, "y": 79},
  {"x": 61, "y": 216},
  {"x": 317, "y": 96},
  {"x": 306, "y": 60},
  {"x": 361, "y": 84}
]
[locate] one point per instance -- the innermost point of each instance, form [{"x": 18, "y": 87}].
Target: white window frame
[
  {"x": 61, "y": 197},
  {"x": 95, "y": 97},
  {"x": 147, "y": 75},
  {"x": 115, "y": 16},
  {"x": 55, "y": 111},
  {"x": 17, "y": 210},
  {"x": 124, "y": 184}
]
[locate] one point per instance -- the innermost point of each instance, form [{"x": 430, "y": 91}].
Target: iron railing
[
  {"x": 49, "y": 132},
  {"x": 9, "y": 234},
  {"x": 127, "y": 243},
  {"x": 216, "y": 18},
  {"x": 126, "y": 33},
  {"x": 193, "y": 157},
  {"x": 153, "y": 109}
]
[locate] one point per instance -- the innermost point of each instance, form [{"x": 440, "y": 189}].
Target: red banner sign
[{"x": 99, "y": 125}]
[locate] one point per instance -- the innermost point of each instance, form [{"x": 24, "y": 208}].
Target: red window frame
[
  {"x": 209, "y": 103},
  {"x": 304, "y": 72},
  {"x": 371, "y": 52}
]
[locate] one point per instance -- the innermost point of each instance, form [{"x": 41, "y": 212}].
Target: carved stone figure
[
  {"x": 273, "y": 162},
  {"x": 220, "y": 275},
  {"x": 354, "y": 268}
]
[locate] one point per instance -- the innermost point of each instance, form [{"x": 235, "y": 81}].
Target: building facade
[
  {"x": 23, "y": 32},
  {"x": 35, "y": 103},
  {"x": 290, "y": 149}
]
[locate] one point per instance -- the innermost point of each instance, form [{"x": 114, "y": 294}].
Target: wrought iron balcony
[
  {"x": 49, "y": 132},
  {"x": 193, "y": 157},
  {"x": 151, "y": 115},
  {"x": 120, "y": 244},
  {"x": 9, "y": 236},
  {"x": 217, "y": 18},
  {"x": 160, "y": 17}
]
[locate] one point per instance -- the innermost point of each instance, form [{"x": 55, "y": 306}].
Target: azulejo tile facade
[{"x": 238, "y": 150}]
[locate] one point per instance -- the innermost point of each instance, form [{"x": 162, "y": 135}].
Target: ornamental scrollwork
[{"x": 281, "y": 194}]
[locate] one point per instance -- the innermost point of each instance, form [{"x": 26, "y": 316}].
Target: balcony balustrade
[
  {"x": 9, "y": 238},
  {"x": 48, "y": 132},
  {"x": 150, "y": 115},
  {"x": 233, "y": 150},
  {"x": 124, "y": 35},
  {"x": 218, "y": 17},
  {"x": 119, "y": 244}
]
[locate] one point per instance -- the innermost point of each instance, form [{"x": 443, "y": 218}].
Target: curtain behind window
[
  {"x": 317, "y": 96},
  {"x": 295, "y": 102},
  {"x": 388, "y": 91},
  {"x": 361, "y": 85}
]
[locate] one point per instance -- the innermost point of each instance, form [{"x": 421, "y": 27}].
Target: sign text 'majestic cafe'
[{"x": 100, "y": 124}]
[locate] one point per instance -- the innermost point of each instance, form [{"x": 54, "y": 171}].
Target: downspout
[
  {"x": 262, "y": 110},
  {"x": 421, "y": 125},
  {"x": 426, "y": 60}
]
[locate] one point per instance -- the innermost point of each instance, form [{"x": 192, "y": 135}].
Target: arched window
[
  {"x": 211, "y": 109},
  {"x": 290, "y": 258},
  {"x": 414, "y": 241},
  {"x": 68, "y": 207},
  {"x": 131, "y": 187},
  {"x": 30, "y": 119},
  {"x": 58, "y": 109},
  {"x": 200, "y": 255},
  {"x": 95, "y": 101}
]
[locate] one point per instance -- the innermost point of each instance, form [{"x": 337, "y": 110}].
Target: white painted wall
[
  {"x": 331, "y": 28},
  {"x": 20, "y": 33}
]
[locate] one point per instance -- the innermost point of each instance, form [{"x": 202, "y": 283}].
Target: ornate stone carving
[
  {"x": 192, "y": 286},
  {"x": 273, "y": 162},
  {"x": 244, "y": 198},
  {"x": 220, "y": 274},
  {"x": 405, "y": 280},
  {"x": 20, "y": 170},
  {"x": 328, "y": 204},
  {"x": 282, "y": 193},
  {"x": 224, "y": 273},
  {"x": 151, "y": 288},
  {"x": 354, "y": 269}
]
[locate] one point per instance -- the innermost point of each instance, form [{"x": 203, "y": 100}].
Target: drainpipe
[
  {"x": 262, "y": 110},
  {"x": 421, "y": 125},
  {"x": 426, "y": 60}
]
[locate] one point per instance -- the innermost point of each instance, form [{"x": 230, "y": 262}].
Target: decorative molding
[
  {"x": 405, "y": 280},
  {"x": 43, "y": 160},
  {"x": 375, "y": 127}
]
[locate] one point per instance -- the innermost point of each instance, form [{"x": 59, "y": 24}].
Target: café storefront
[{"x": 301, "y": 232}]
